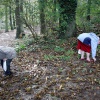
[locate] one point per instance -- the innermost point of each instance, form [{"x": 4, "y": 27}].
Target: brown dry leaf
[{"x": 28, "y": 89}]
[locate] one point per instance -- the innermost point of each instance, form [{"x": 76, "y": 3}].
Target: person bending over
[
  {"x": 7, "y": 54},
  {"x": 87, "y": 43}
]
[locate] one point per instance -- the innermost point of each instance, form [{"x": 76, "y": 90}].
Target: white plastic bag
[{"x": 4, "y": 65}]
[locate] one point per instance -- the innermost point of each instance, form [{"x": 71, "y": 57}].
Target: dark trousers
[{"x": 8, "y": 61}]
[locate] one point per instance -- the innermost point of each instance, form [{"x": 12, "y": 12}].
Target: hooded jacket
[
  {"x": 93, "y": 41},
  {"x": 7, "y": 52}
]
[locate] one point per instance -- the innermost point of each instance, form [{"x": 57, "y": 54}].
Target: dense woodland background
[
  {"x": 47, "y": 66},
  {"x": 55, "y": 18}
]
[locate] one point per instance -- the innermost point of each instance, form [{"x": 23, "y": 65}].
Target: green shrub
[
  {"x": 20, "y": 47},
  {"x": 59, "y": 49}
]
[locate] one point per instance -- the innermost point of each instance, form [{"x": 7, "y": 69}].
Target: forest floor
[{"x": 49, "y": 70}]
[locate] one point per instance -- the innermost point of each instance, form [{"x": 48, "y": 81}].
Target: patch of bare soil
[{"x": 37, "y": 77}]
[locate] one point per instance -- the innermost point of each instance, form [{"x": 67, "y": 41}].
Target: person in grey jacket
[
  {"x": 88, "y": 42},
  {"x": 7, "y": 54}
]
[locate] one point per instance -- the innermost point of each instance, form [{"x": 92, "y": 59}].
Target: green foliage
[
  {"x": 24, "y": 43},
  {"x": 81, "y": 14},
  {"x": 59, "y": 49},
  {"x": 56, "y": 13},
  {"x": 66, "y": 56},
  {"x": 67, "y": 18},
  {"x": 1, "y": 11},
  {"x": 28, "y": 40},
  {"x": 47, "y": 46},
  {"x": 84, "y": 64},
  {"x": 57, "y": 57},
  {"x": 98, "y": 47},
  {"x": 69, "y": 53},
  {"x": 20, "y": 47},
  {"x": 5, "y": 2},
  {"x": 48, "y": 57}
]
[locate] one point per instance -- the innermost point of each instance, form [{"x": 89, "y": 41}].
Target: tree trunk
[
  {"x": 54, "y": 10},
  {"x": 10, "y": 15},
  {"x": 6, "y": 19},
  {"x": 18, "y": 13},
  {"x": 21, "y": 15},
  {"x": 88, "y": 10},
  {"x": 42, "y": 16},
  {"x": 67, "y": 18},
  {"x": 26, "y": 9},
  {"x": 14, "y": 22}
]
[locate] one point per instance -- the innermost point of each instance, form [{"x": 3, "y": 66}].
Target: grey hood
[{"x": 7, "y": 52}]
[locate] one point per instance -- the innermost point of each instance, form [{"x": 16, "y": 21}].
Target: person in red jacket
[{"x": 87, "y": 43}]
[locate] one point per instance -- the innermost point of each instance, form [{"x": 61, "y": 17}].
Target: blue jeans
[{"x": 8, "y": 71}]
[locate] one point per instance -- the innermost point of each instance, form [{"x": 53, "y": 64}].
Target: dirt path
[{"x": 8, "y": 38}]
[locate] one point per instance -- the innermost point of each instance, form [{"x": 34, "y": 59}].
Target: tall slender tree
[
  {"x": 10, "y": 17},
  {"x": 42, "y": 15},
  {"x": 88, "y": 10},
  {"x": 6, "y": 18},
  {"x": 67, "y": 17},
  {"x": 18, "y": 13},
  {"x": 54, "y": 9},
  {"x": 14, "y": 22}
]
